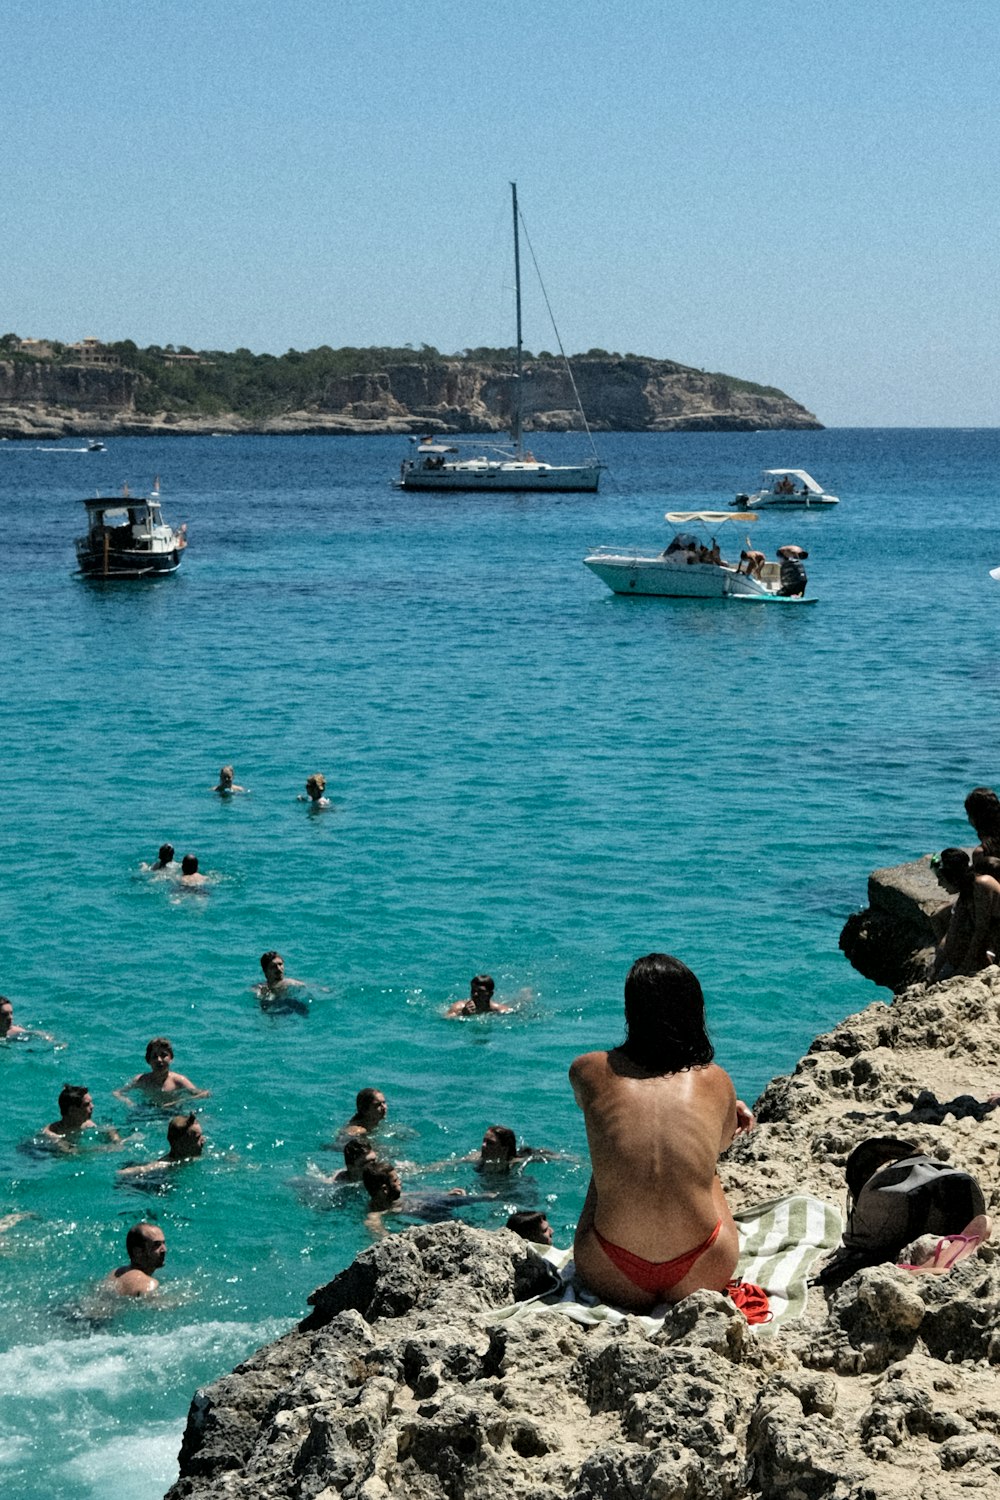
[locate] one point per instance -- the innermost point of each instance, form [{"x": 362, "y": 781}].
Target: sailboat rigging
[{"x": 436, "y": 466}]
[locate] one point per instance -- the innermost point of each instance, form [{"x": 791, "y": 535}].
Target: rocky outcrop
[
  {"x": 404, "y": 1384},
  {"x": 892, "y": 940},
  {"x": 38, "y": 398}
]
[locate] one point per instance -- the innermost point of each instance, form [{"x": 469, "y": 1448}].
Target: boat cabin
[{"x": 130, "y": 525}]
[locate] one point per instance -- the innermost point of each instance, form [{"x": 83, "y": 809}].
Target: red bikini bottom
[{"x": 655, "y": 1276}]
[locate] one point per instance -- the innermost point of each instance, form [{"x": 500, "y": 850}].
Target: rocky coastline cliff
[
  {"x": 48, "y": 399},
  {"x": 405, "y": 1383}
]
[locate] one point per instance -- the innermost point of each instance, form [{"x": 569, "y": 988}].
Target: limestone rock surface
[{"x": 402, "y": 1383}]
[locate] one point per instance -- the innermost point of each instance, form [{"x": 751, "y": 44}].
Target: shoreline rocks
[
  {"x": 43, "y": 399},
  {"x": 892, "y": 941},
  {"x": 404, "y": 1384}
]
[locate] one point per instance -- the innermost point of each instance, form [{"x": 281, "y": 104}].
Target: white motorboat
[
  {"x": 438, "y": 466},
  {"x": 690, "y": 569},
  {"x": 128, "y": 538},
  {"x": 786, "y": 487}
]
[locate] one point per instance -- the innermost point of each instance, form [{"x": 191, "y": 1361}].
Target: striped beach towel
[{"x": 780, "y": 1243}]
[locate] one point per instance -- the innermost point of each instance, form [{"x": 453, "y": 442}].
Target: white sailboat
[{"x": 437, "y": 465}]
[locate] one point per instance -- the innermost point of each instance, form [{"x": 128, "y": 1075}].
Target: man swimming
[
  {"x": 480, "y": 1001},
  {"x": 315, "y": 791},
  {"x": 385, "y": 1195},
  {"x": 655, "y": 1225},
  {"x": 185, "y": 1142},
  {"x": 146, "y": 1248},
  {"x": 191, "y": 876},
  {"x": 227, "y": 786},
  {"x": 160, "y": 1083},
  {"x": 76, "y": 1109},
  {"x": 8, "y": 1026}
]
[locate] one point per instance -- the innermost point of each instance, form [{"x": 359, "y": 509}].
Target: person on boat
[
  {"x": 146, "y": 1248},
  {"x": 982, "y": 808},
  {"x": 227, "y": 786},
  {"x": 531, "y": 1225},
  {"x": 480, "y": 1001},
  {"x": 751, "y": 563},
  {"x": 715, "y": 553},
  {"x": 76, "y": 1122},
  {"x": 972, "y": 940},
  {"x": 655, "y": 1225},
  {"x": 315, "y": 790},
  {"x": 160, "y": 1084},
  {"x": 191, "y": 876},
  {"x": 793, "y": 574}
]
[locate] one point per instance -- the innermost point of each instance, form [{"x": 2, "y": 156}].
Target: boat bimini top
[
  {"x": 708, "y": 517},
  {"x": 806, "y": 481}
]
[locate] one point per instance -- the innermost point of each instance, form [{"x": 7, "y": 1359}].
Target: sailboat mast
[{"x": 516, "y": 428}]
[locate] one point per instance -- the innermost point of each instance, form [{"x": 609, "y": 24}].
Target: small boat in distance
[
  {"x": 786, "y": 487},
  {"x": 128, "y": 538},
  {"x": 437, "y": 466},
  {"x": 96, "y": 446},
  {"x": 688, "y": 569}
]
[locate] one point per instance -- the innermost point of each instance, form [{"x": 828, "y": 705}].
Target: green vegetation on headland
[{"x": 48, "y": 388}]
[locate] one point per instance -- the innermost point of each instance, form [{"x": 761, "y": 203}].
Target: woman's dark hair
[
  {"x": 527, "y": 1222},
  {"x": 506, "y": 1138},
  {"x": 866, "y": 1159},
  {"x": 665, "y": 1016},
  {"x": 982, "y": 808},
  {"x": 956, "y": 866}
]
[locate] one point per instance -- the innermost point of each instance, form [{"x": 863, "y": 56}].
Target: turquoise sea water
[{"x": 529, "y": 776}]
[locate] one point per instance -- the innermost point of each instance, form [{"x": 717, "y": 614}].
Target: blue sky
[{"x": 802, "y": 194}]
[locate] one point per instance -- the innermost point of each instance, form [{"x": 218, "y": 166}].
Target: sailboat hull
[{"x": 487, "y": 476}]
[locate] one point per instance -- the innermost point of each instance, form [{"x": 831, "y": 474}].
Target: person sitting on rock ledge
[
  {"x": 973, "y": 937},
  {"x": 655, "y": 1224},
  {"x": 982, "y": 808}
]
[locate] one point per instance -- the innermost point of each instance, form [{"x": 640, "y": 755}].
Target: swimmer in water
[
  {"x": 191, "y": 876},
  {"x": 370, "y": 1109},
  {"x": 165, "y": 859},
  {"x": 146, "y": 1248},
  {"x": 315, "y": 789},
  {"x": 480, "y": 1001},
  {"x": 227, "y": 786},
  {"x": 75, "y": 1122},
  {"x": 385, "y": 1195},
  {"x": 276, "y": 981},
  {"x": 185, "y": 1142},
  {"x": 9, "y": 1028},
  {"x": 160, "y": 1083}
]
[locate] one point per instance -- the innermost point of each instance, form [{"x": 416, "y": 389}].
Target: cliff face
[
  {"x": 404, "y": 1384},
  {"x": 628, "y": 395}
]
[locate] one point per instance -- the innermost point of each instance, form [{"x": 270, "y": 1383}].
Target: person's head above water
[
  {"x": 481, "y": 989},
  {"x": 159, "y": 1052},
  {"x": 382, "y": 1184},
  {"x": 185, "y": 1138},
  {"x": 146, "y": 1247},
  {"x": 665, "y": 1016},
  {"x": 499, "y": 1144},
  {"x": 316, "y": 786},
  {"x": 166, "y": 854},
  {"x": 189, "y": 864},
  {"x": 370, "y": 1107},
  {"x": 6, "y": 1015},
  {"x": 226, "y": 776},
  {"x": 982, "y": 808},
  {"x": 75, "y": 1102},
  {"x": 273, "y": 965}
]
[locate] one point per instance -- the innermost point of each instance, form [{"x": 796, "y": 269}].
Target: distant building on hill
[{"x": 91, "y": 351}]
